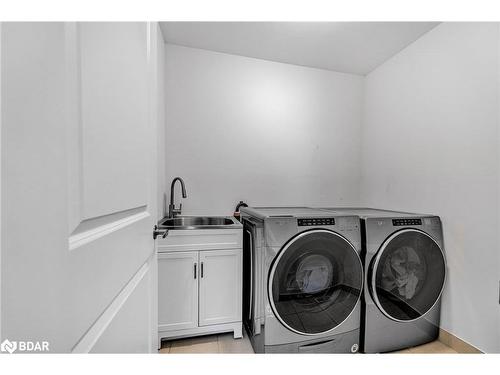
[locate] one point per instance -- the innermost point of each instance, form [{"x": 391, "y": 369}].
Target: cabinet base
[{"x": 235, "y": 327}]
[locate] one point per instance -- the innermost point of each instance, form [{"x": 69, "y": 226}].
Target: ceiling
[{"x": 350, "y": 47}]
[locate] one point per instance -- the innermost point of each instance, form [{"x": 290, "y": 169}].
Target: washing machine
[
  {"x": 405, "y": 273},
  {"x": 303, "y": 280}
]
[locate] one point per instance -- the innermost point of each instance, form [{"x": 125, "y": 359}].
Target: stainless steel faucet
[{"x": 172, "y": 211}]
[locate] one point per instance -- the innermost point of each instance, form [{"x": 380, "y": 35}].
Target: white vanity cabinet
[{"x": 200, "y": 283}]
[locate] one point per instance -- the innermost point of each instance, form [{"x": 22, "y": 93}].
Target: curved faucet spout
[{"x": 172, "y": 211}]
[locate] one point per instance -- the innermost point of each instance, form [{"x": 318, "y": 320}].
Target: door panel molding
[
  {"x": 98, "y": 182},
  {"x": 73, "y": 111},
  {"x": 87, "y": 231},
  {"x": 116, "y": 132},
  {"x": 89, "y": 339}
]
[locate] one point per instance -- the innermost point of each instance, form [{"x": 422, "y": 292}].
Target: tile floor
[
  {"x": 435, "y": 347},
  {"x": 224, "y": 343}
]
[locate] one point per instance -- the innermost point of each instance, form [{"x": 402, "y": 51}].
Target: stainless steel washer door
[
  {"x": 315, "y": 282},
  {"x": 407, "y": 275}
]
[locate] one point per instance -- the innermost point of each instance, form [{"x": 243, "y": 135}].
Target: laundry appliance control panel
[
  {"x": 402, "y": 222},
  {"x": 315, "y": 221}
]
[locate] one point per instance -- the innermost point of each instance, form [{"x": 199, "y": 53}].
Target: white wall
[
  {"x": 268, "y": 133},
  {"x": 430, "y": 144}
]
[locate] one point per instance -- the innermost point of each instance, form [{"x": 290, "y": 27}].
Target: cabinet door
[
  {"x": 177, "y": 290},
  {"x": 220, "y": 286}
]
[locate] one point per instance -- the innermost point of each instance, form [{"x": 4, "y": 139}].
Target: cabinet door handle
[
  {"x": 201, "y": 269},
  {"x": 195, "y": 271}
]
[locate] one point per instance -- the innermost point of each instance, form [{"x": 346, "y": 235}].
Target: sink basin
[{"x": 198, "y": 222}]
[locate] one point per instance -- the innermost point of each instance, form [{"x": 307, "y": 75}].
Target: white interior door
[
  {"x": 78, "y": 185},
  {"x": 220, "y": 286}
]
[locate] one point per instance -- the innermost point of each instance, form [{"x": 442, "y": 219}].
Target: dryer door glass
[
  {"x": 315, "y": 282},
  {"x": 407, "y": 275}
]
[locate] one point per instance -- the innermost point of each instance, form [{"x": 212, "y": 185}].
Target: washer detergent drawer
[
  {"x": 320, "y": 347},
  {"x": 343, "y": 343},
  {"x": 347, "y": 342}
]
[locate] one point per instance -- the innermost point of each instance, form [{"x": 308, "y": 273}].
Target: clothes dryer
[{"x": 405, "y": 273}]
